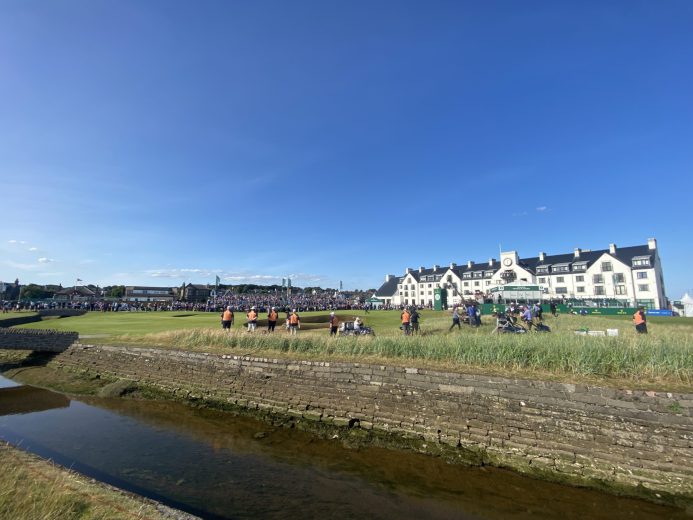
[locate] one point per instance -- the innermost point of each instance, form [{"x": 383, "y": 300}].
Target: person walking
[
  {"x": 455, "y": 318},
  {"x": 252, "y": 319},
  {"x": 414, "y": 320},
  {"x": 405, "y": 317},
  {"x": 294, "y": 323},
  {"x": 227, "y": 319},
  {"x": 640, "y": 321},
  {"x": 527, "y": 317},
  {"x": 272, "y": 319},
  {"x": 334, "y": 324},
  {"x": 471, "y": 314}
]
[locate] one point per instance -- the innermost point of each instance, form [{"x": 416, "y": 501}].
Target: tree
[
  {"x": 115, "y": 291},
  {"x": 34, "y": 292}
]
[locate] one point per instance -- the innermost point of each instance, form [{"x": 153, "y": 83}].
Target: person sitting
[{"x": 357, "y": 324}]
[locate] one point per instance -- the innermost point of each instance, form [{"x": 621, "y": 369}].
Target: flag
[
  {"x": 283, "y": 282},
  {"x": 79, "y": 279},
  {"x": 340, "y": 285},
  {"x": 218, "y": 280},
  {"x": 289, "y": 283}
]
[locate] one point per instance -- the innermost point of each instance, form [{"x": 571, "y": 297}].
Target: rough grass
[
  {"x": 32, "y": 488},
  {"x": 664, "y": 357}
]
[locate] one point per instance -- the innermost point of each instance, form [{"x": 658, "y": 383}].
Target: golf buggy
[{"x": 346, "y": 328}]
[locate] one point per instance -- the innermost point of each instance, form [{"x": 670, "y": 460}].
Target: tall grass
[
  {"x": 662, "y": 358},
  {"x": 31, "y": 488}
]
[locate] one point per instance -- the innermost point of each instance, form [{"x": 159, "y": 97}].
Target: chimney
[
  {"x": 436, "y": 267},
  {"x": 490, "y": 262},
  {"x": 408, "y": 270},
  {"x": 651, "y": 243},
  {"x": 469, "y": 264},
  {"x": 388, "y": 277},
  {"x": 421, "y": 268},
  {"x": 453, "y": 265},
  {"x": 542, "y": 256},
  {"x": 612, "y": 249},
  {"x": 577, "y": 252}
]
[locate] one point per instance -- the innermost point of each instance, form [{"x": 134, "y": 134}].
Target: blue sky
[{"x": 156, "y": 142}]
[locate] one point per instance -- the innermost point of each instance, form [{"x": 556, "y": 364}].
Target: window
[
  {"x": 542, "y": 270},
  {"x": 599, "y": 290},
  {"x": 478, "y": 274},
  {"x": 580, "y": 289},
  {"x": 542, "y": 280},
  {"x": 579, "y": 267},
  {"x": 429, "y": 285},
  {"x": 619, "y": 278},
  {"x": 466, "y": 284},
  {"x": 488, "y": 282},
  {"x": 560, "y": 279},
  {"x": 580, "y": 278},
  {"x": 620, "y": 289},
  {"x": 643, "y": 287},
  {"x": 561, "y": 290},
  {"x": 642, "y": 275},
  {"x": 597, "y": 278},
  {"x": 606, "y": 266},
  {"x": 476, "y": 284},
  {"x": 641, "y": 262},
  {"x": 467, "y": 275},
  {"x": 560, "y": 269}
]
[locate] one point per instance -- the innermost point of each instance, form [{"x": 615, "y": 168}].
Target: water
[{"x": 219, "y": 466}]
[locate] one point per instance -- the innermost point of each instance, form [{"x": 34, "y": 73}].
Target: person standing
[
  {"x": 334, "y": 324},
  {"x": 455, "y": 319},
  {"x": 471, "y": 314},
  {"x": 405, "y": 317},
  {"x": 640, "y": 321},
  {"x": 294, "y": 323},
  {"x": 272, "y": 319},
  {"x": 227, "y": 319},
  {"x": 252, "y": 319},
  {"x": 554, "y": 310}
]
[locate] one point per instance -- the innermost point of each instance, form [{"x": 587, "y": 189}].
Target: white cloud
[
  {"x": 33, "y": 249},
  {"x": 11, "y": 241},
  {"x": 44, "y": 260},
  {"x": 542, "y": 208}
]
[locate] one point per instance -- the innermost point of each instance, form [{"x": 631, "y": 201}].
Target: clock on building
[{"x": 508, "y": 262}]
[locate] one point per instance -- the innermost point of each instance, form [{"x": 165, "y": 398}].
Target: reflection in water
[
  {"x": 28, "y": 399},
  {"x": 236, "y": 467}
]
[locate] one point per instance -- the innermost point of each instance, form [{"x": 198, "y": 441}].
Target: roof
[
  {"x": 624, "y": 254},
  {"x": 389, "y": 288}
]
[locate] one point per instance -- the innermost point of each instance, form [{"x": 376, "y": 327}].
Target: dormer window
[
  {"x": 579, "y": 266},
  {"x": 641, "y": 261},
  {"x": 543, "y": 269},
  {"x": 467, "y": 275},
  {"x": 478, "y": 274},
  {"x": 560, "y": 268}
]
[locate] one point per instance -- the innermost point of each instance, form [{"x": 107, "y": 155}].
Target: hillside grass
[
  {"x": 32, "y": 488},
  {"x": 662, "y": 359}
]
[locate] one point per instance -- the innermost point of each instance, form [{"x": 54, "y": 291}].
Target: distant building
[
  {"x": 196, "y": 292},
  {"x": 10, "y": 291},
  {"x": 628, "y": 276},
  {"x": 80, "y": 293},
  {"x": 135, "y": 293}
]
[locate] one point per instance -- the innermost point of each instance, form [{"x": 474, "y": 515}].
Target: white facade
[{"x": 629, "y": 276}]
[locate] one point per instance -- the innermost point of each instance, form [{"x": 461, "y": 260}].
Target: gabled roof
[
  {"x": 624, "y": 254},
  {"x": 389, "y": 288}
]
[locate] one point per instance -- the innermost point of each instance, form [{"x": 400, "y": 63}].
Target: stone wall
[
  {"x": 634, "y": 441},
  {"x": 36, "y": 340},
  {"x": 62, "y": 313},
  {"x": 19, "y": 320}
]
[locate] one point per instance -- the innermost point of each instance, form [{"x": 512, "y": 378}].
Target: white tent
[{"x": 687, "y": 303}]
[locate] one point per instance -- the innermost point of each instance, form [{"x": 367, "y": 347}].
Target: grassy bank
[
  {"x": 33, "y": 488},
  {"x": 661, "y": 359}
]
